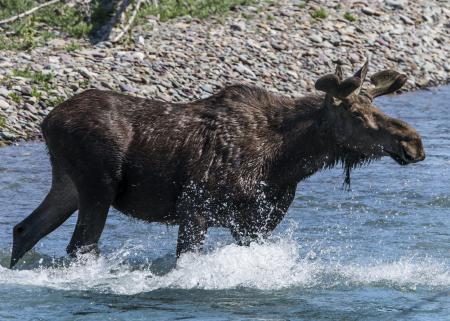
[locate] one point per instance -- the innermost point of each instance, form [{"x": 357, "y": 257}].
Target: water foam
[{"x": 273, "y": 265}]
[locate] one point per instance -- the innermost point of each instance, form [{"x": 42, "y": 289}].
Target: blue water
[{"x": 378, "y": 252}]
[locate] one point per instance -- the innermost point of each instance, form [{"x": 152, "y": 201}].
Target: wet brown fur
[{"x": 233, "y": 160}]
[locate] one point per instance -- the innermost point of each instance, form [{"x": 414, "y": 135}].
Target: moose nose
[
  {"x": 421, "y": 155},
  {"x": 413, "y": 153}
]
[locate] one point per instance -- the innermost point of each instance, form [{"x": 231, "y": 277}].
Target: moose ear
[
  {"x": 329, "y": 84},
  {"x": 386, "y": 82},
  {"x": 334, "y": 87}
]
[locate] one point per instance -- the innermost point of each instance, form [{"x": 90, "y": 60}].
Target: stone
[
  {"x": 8, "y": 136},
  {"x": 370, "y": 12},
  {"x": 406, "y": 19},
  {"x": 85, "y": 72},
  {"x": 4, "y": 92},
  {"x": 207, "y": 88},
  {"x": 243, "y": 70},
  {"x": 127, "y": 88},
  {"x": 26, "y": 90},
  {"x": 3, "y": 104},
  {"x": 396, "y": 4},
  {"x": 238, "y": 26},
  {"x": 315, "y": 38},
  {"x": 58, "y": 43},
  {"x": 278, "y": 46},
  {"x": 30, "y": 108}
]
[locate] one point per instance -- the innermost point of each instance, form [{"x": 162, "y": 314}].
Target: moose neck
[{"x": 308, "y": 141}]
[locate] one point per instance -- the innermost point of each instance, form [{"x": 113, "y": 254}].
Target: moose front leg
[
  {"x": 191, "y": 233},
  {"x": 257, "y": 222},
  {"x": 191, "y": 211}
]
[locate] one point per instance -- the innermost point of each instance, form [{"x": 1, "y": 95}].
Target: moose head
[{"x": 361, "y": 128}]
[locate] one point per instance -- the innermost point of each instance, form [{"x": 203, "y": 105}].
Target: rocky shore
[{"x": 283, "y": 46}]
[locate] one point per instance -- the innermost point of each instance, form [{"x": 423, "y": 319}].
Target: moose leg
[
  {"x": 193, "y": 223},
  {"x": 191, "y": 234},
  {"x": 94, "y": 203},
  {"x": 60, "y": 203}
]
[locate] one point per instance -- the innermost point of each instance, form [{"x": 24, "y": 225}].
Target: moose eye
[{"x": 357, "y": 114}]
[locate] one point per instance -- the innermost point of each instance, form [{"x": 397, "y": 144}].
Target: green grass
[
  {"x": 72, "y": 46},
  {"x": 38, "y": 77},
  {"x": 169, "y": 9},
  {"x": 270, "y": 17},
  {"x": 32, "y": 31},
  {"x": 36, "y": 93},
  {"x": 53, "y": 102},
  {"x": 319, "y": 14},
  {"x": 35, "y": 30},
  {"x": 2, "y": 122},
  {"x": 15, "y": 97},
  {"x": 24, "y": 73},
  {"x": 350, "y": 17}
]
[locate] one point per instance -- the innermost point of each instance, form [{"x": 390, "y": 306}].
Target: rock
[
  {"x": 370, "y": 12},
  {"x": 315, "y": 38},
  {"x": 4, "y": 92},
  {"x": 396, "y": 4},
  {"x": 58, "y": 43},
  {"x": 406, "y": 19},
  {"x": 243, "y": 70},
  {"x": 278, "y": 46},
  {"x": 30, "y": 108},
  {"x": 207, "y": 88},
  {"x": 3, "y": 104},
  {"x": 238, "y": 26},
  {"x": 353, "y": 58},
  {"x": 93, "y": 53},
  {"x": 8, "y": 136},
  {"x": 26, "y": 90},
  {"x": 139, "y": 55},
  {"x": 85, "y": 72},
  {"x": 127, "y": 88},
  {"x": 106, "y": 84},
  {"x": 422, "y": 82},
  {"x": 32, "y": 100}
]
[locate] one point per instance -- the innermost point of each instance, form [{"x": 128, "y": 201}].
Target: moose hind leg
[
  {"x": 59, "y": 204},
  {"x": 94, "y": 203}
]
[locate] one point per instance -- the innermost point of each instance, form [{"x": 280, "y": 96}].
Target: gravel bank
[{"x": 278, "y": 46}]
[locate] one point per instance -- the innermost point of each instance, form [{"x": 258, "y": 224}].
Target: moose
[{"x": 231, "y": 160}]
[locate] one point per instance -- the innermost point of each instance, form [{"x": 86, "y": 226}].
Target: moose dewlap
[{"x": 231, "y": 160}]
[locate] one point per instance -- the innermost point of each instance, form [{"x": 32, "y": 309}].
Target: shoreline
[{"x": 279, "y": 47}]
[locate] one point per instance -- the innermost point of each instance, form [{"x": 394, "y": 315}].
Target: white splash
[{"x": 270, "y": 266}]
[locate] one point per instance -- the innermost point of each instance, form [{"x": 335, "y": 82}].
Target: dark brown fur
[{"x": 232, "y": 160}]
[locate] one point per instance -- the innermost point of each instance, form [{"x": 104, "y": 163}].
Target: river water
[{"x": 378, "y": 252}]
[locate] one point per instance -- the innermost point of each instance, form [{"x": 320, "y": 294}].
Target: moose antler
[
  {"x": 361, "y": 74},
  {"x": 386, "y": 82}
]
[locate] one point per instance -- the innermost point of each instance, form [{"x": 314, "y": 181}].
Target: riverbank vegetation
[{"x": 92, "y": 19}]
